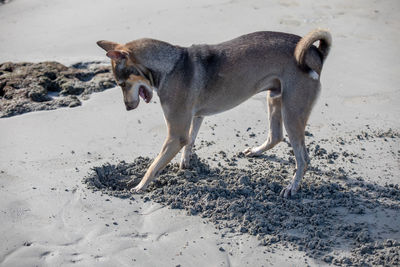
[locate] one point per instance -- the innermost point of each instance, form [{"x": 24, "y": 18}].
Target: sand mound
[
  {"x": 26, "y": 87},
  {"x": 332, "y": 212}
]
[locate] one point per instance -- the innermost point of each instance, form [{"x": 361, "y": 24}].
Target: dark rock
[
  {"x": 74, "y": 102},
  {"x": 49, "y": 84},
  {"x": 26, "y": 87},
  {"x": 71, "y": 88},
  {"x": 38, "y": 94},
  {"x": 6, "y": 66}
]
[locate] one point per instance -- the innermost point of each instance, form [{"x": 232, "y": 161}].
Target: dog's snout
[{"x": 130, "y": 106}]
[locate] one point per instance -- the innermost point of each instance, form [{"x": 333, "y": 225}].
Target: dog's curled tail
[{"x": 325, "y": 42}]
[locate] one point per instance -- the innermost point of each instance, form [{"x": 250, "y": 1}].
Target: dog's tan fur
[{"x": 206, "y": 79}]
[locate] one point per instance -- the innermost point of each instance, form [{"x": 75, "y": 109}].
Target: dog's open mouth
[{"x": 145, "y": 93}]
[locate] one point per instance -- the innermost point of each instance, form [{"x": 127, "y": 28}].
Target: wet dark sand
[{"x": 335, "y": 209}]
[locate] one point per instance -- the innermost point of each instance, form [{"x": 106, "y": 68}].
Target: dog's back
[{"x": 237, "y": 69}]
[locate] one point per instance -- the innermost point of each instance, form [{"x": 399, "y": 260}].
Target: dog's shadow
[{"x": 332, "y": 211}]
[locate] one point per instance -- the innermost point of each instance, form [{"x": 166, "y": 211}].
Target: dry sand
[{"x": 346, "y": 212}]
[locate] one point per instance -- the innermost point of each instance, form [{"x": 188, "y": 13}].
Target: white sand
[{"x": 45, "y": 225}]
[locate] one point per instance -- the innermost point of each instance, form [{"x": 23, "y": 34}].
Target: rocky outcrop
[
  {"x": 26, "y": 87},
  {"x": 4, "y": 2}
]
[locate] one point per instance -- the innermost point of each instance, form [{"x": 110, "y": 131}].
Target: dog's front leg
[
  {"x": 171, "y": 147},
  {"x": 187, "y": 152},
  {"x": 178, "y": 132}
]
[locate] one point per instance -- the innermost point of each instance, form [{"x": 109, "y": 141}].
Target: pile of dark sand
[
  {"x": 26, "y": 87},
  {"x": 333, "y": 211}
]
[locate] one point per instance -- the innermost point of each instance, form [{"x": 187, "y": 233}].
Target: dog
[{"x": 202, "y": 80}]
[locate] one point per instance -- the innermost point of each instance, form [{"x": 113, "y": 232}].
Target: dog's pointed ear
[
  {"x": 117, "y": 55},
  {"x": 107, "y": 45}
]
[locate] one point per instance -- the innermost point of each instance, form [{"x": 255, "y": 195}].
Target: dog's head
[{"x": 128, "y": 74}]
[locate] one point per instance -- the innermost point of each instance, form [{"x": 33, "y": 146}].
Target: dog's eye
[
  {"x": 122, "y": 84},
  {"x": 135, "y": 72},
  {"x": 132, "y": 70}
]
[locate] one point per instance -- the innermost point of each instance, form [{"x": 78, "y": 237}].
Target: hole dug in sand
[{"x": 332, "y": 213}]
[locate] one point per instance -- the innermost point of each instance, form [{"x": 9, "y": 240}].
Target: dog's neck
[{"x": 158, "y": 57}]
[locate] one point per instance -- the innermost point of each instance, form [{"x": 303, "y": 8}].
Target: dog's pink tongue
[{"x": 142, "y": 94}]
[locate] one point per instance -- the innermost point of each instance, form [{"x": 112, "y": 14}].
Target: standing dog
[{"x": 202, "y": 80}]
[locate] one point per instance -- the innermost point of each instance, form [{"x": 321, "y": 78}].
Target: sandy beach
[{"x": 61, "y": 167}]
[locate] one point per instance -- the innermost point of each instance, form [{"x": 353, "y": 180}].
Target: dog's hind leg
[
  {"x": 296, "y": 110},
  {"x": 296, "y": 136},
  {"x": 187, "y": 151},
  {"x": 274, "y": 100}
]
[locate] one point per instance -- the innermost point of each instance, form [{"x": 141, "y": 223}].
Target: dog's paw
[
  {"x": 251, "y": 152},
  {"x": 185, "y": 164},
  {"x": 135, "y": 187},
  {"x": 138, "y": 189},
  {"x": 289, "y": 191}
]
